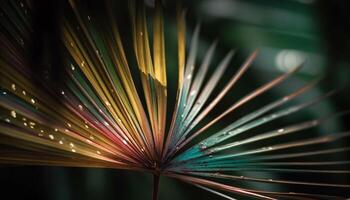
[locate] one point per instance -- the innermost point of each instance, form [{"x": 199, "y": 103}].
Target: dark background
[{"x": 285, "y": 32}]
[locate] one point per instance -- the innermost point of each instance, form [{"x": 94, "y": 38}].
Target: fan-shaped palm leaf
[{"x": 99, "y": 117}]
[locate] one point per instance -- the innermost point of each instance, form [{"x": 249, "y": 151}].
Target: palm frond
[{"x": 99, "y": 118}]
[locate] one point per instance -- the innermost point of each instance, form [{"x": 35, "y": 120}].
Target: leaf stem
[{"x": 155, "y": 186}]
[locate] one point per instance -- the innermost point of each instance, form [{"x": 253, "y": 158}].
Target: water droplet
[
  {"x": 7, "y": 120},
  {"x": 32, "y": 100},
  {"x": 107, "y": 103},
  {"x": 82, "y": 63},
  {"x": 13, "y": 114},
  {"x": 193, "y": 92},
  {"x": 61, "y": 142},
  {"x": 51, "y": 137},
  {"x": 24, "y": 93},
  {"x": 13, "y": 86},
  {"x": 89, "y": 141},
  {"x": 106, "y": 123},
  {"x": 41, "y": 131},
  {"x": 56, "y": 129},
  {"x": 62, "y": 92},
  {"x": 72, "y": 67},
  {"x": 71, "y": 144},
  {"x": 280, "y": 130},
  {"x": 40, "y": 135},
  {"x": 71, "y": 44},
  {"x": 4, "y": 93},
  {"x": 73, "y": 150},
  {"x": 141, "y": 33},
  {"x": 98, "y": 152},
  {"x": 223, "y": 135},
  {"x": 86, "y": 126},
  {"x": 69, "y": 125},
  {"x": 89, "y": 18},
  {"x": 92, "y": 137},
  {"x": 21, "y": 41},
  {"x": 125, "y": 142},
  {"x": 25, "y": 124},
  {"x": 80, "y": 107},
  {"x": 189, "y": 76},
  {"x": 266, "y": 148}
]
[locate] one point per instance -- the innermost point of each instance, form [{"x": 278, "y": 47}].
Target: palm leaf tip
[{"x": 109, "y": 114}]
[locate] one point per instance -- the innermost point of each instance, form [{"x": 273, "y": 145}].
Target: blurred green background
[{"x": 287, "y": 32}]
